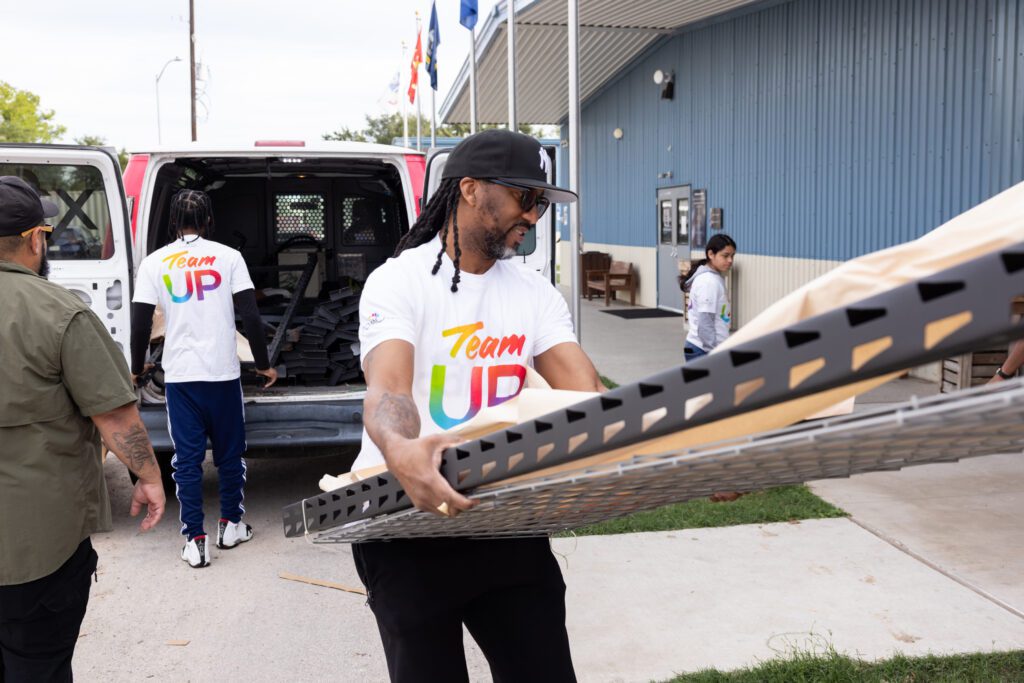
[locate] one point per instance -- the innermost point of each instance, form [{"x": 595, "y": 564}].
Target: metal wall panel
[{"x": 825, "y": 128}]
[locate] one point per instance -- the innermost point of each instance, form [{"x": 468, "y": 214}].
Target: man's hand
[
  {"x": 152, "y": 497},
  {"x": 393, "y": 423},
  {"x": 125, "y": 436},
  {"x": 417, "y": 463},
  {"x": 270, "y": 374},
  {"x": 145, "y": 369}
]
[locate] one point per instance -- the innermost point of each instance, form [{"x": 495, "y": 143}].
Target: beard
[
  {"x": 493, "y": 241},
  {"x": 44, "y": 266},
  {"x": 495, "y": 246}
]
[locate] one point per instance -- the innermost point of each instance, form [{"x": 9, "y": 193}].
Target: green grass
[
  {"x": 782, "y": 504},
  {"x": 835, "y": 668}
]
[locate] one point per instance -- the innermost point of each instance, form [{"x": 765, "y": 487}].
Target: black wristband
[{"x": 1004, "y": 375}]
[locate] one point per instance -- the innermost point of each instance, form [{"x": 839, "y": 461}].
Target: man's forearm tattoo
[
  {"x": 134, "y": 444},
  {"x": 397, "y": 413}
]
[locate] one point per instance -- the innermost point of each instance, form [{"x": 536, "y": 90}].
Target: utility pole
[{"x": 192, "y": 60}]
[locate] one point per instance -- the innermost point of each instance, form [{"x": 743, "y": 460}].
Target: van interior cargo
[{"x": 311, "y": 230}]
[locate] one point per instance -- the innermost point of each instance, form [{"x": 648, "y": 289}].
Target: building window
[
  {"x": 683, "y": 221},
  {"x": 666, "y": 222}
]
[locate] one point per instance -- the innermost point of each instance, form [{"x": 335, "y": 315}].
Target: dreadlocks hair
[
  {"x": 433, "y": 220},
  {"x": 191, "y": 209}
]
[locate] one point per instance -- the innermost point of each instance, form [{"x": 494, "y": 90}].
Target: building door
[{"x": 673, "y": 241}]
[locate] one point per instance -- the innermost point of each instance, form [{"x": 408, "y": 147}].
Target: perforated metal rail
[
  {"x": 946, "y": 428},
  {"x": 948, "y": 313}
]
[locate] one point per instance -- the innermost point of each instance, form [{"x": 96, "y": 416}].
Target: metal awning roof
[{"x": 612, "y": 34}]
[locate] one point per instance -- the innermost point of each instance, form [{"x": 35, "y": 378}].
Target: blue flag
[
  {"x": 467, "y": 14},
  {"x": 433, "y": 40}
]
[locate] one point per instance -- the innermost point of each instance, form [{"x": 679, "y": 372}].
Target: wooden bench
[
  {"x": 592, "y": 260},
  {"x": 971, "y": 369},
  {"x": 618, "y": 277}
]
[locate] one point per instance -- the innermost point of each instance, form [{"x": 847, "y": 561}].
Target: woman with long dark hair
[{"x": 709, "y": 311}]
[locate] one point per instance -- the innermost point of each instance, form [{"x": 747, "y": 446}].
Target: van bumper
[{"x": 281, "y": 429}]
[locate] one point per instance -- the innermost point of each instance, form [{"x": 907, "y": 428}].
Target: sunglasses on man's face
[
  {"x": 529, "y": 197},
  {"x": 42, "y": 228}
]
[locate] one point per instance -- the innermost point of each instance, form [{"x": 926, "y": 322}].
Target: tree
[
  {"x": 100, "y": 141},
  {"x": 384, "y": 128},
  {"x": 21, "y": 119}
]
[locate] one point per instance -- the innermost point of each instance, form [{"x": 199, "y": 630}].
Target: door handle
[{"x": 674, "y": 252}]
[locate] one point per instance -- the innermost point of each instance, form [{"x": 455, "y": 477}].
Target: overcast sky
[{"x": 294, "y": 69}]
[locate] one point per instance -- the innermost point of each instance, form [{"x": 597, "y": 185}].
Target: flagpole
[
  {"x": 405, "y": 116},
  {"x": 472, "y": 80},
  {"x": 433, "y": 45},
  {"x": 419, "y": 117},
  {"x": 433, "y": 119},
  {"x": 513, "y": 123},
  {"x": 419, "y": 106}
]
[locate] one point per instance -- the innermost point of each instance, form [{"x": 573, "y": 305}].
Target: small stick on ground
[{"x": 321, "y": 582}]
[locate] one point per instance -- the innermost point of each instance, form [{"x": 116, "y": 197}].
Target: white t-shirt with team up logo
[
  {"x": 708, "y": 295},
  {"x": 193, "y": 280},
  {"x": 471, "y": 346}
]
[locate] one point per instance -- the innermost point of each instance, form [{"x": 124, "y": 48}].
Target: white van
[{"x": 311, "y": 222}]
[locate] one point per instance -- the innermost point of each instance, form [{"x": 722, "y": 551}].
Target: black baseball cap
[
  {"x": 21, "y": 207},
  {"x": 514, "y": 158}
]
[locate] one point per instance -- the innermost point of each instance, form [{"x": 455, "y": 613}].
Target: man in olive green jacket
[{"x": 64, "y": 384}]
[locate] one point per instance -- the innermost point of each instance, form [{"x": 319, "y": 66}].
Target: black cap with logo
[
  {"x": 21, "y": 207},
  {"x": 510, "y": 157}
]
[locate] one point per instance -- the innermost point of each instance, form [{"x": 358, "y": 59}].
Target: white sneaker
[
  {"x": 196, "y": 552},
  {"x": 230, "y": 534}
]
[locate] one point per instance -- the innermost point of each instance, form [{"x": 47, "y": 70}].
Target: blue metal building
[{"x": 822, "y": 129}]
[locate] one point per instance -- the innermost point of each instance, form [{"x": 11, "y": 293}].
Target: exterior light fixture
[
  {"x": 617, "y": 133},
  {"x": 667, "y": 81}
]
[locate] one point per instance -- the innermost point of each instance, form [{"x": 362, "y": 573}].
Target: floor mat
[{"x": 631, "y": 313}]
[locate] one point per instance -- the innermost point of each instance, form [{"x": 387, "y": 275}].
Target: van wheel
[{"x": 166, "y": 471}]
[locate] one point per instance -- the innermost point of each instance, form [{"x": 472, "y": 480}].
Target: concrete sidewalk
[
  {"x": 648, "y": 606},
  {"x": 629, "y": 350},
  {"x": 930, "y": 560}
]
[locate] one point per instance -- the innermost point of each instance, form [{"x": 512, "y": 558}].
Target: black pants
[
  {"x": 39, "y": 621},
  {"x": 508, "y": 592}
]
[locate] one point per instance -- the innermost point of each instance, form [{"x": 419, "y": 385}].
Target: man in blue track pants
[{"x": 200, "y": 284}]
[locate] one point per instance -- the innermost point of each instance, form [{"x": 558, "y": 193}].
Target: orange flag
[{"x": 417, "y": 59}]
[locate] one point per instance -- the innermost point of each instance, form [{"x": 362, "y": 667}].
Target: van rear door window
[
  {"x": 363, "y": 220},
  {"x": 81, "y": 228},
  {"x": 299, "y": 214}
]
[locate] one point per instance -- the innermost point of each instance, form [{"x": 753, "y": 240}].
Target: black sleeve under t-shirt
[{"x": 252, "y": 325}]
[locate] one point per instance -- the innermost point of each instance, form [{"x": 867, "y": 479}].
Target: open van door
[
  {"x": 89, "y": 250},
  {"x": 538, "y": 248}
]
